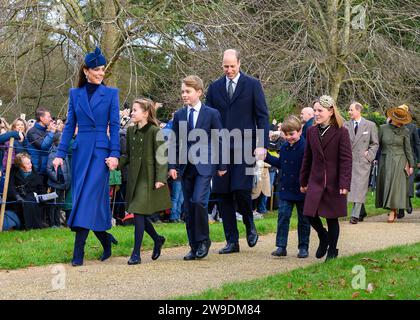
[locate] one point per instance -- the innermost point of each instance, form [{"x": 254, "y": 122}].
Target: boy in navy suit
[
  {"x": 290, "y": 162},
  {"x": 195, "y": 161}
]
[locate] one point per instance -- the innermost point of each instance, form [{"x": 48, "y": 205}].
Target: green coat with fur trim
[{"x": 144, "y": 170}]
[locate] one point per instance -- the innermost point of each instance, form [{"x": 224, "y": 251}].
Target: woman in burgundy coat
[{"x": 325, "y": 175}]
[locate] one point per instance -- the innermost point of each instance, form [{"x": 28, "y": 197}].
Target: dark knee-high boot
[
  {"x": 316, "y": 223},
  {"x": 79, "y": 247},
  {"x": 333, "y": 234},
  {"x": 106, "y": 239}
]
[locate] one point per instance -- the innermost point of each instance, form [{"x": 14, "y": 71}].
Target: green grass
[
  {"x": 392, "y": 274},
  {"x": 21, "y": 249}
]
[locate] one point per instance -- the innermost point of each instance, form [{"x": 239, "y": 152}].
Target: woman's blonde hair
[
  {"x": 147, "y": 105},
  {"x": 328, "y": 103},
  {"x": 14, "y": 123}
]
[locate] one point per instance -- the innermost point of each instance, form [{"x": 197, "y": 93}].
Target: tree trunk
[{"x": 110, "y": 40}]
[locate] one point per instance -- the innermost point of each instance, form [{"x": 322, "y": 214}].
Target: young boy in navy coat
[{"x": 290, "y": 162}]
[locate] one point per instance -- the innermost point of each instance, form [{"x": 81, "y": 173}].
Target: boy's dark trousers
[
  {"x": 283, "y": 223},
  {"x": 196, "y": 189}
]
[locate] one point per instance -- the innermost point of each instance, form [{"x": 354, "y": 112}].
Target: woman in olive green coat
[
  {"x": 147, "y": 191},
  {"x": 395, "y": 164}
]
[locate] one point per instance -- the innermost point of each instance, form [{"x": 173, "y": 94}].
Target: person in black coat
[{"x": 24, "y": 181}]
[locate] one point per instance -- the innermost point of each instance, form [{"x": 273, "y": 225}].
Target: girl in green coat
[{"x": 147, "y": 191}]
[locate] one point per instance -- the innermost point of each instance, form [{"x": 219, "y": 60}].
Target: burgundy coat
[{"x": 326, "y": 169}]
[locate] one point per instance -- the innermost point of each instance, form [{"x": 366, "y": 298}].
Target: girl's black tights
[
  {"x": 141, "y": 224},
  {"x": 333, "y": 229}
]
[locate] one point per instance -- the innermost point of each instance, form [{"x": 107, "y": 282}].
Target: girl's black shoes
[
  {"x": 134, "y": 259},
  {"x": 158, "y": 247}
]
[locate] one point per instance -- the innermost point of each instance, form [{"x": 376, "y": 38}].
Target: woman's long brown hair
[{"x": 81, "y": 81}]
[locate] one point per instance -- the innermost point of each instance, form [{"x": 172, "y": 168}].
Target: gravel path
[{"x": 170, "y": 276}]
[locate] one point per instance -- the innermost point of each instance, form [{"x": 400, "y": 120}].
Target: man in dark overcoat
[{"x": 241, "y": 102}]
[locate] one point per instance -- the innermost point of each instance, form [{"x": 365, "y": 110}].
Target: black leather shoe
[
  {"x": 252, "y": 237},
  {"x": 323, "y": 244},
  {"x": 134, "y": 259},
  {"x": 230, "y": 248},
  {"x": 354, "y": 220},
  {"x": 410, "y": 206},
  {"x": 303, "y": 253},
  {"x": 279, "y": 252},
  {"x": 190, "y": 256},
  {"x": 401, "y": 214},
  {"x": 203, "y": 249},
  {"x": 158, "y": 247}
]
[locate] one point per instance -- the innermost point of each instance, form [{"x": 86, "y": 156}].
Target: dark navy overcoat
[
  {"x": 90, "y": 174},
  {"x": 246, "y": 111}
]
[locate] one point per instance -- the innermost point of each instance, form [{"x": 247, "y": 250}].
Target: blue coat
[
  {"x": 290, "y": 162},
  {"x": 246, "y": 110},
  {"x": 4, "y": 138},
  {"x": 208, "y": 120},
  {"x": 307, "y": 125},
  {"x": 89, "y": 172},
  {"x": 39, "y": 143}
]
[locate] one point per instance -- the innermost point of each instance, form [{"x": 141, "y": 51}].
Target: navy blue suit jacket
[
  {"x": 208, "y": 119},
  {"x": 246, "y": 110}
]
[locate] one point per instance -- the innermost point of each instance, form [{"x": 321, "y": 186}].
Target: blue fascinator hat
[{"x": 95, "y": 59}]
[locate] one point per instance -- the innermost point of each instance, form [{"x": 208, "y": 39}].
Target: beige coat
[
  {"x": 365, "y": 140},
  {"x": 262, "y": 186}
]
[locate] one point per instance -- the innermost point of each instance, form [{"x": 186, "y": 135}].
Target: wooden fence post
[{"x": 6, "y": 182}]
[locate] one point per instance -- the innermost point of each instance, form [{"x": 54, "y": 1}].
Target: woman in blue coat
[{"x": 93, "y": 108}]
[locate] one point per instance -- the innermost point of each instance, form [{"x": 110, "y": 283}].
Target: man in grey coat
[{"x": 364, "y": 141}]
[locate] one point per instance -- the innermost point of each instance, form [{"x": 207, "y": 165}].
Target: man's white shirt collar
[
  {"x": 197, "y": 107},
  {"x": 235, "y": 80}
]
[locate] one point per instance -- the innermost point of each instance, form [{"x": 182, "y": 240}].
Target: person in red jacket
[{"x": 325, "y": 175}]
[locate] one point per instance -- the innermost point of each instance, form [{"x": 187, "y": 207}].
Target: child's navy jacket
[{"x": 290, "y": 162}]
